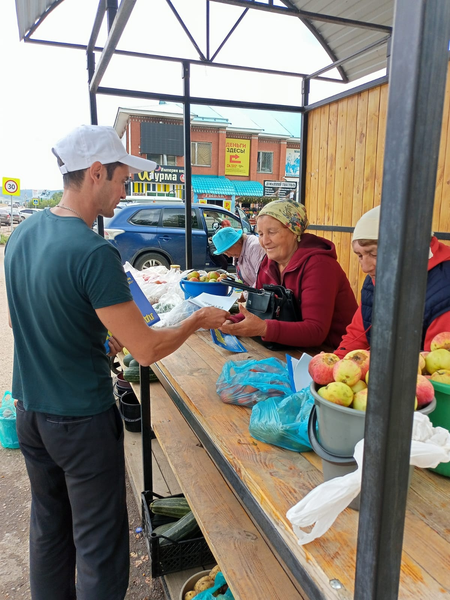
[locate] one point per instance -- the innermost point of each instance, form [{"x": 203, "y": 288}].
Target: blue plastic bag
[
  {"x": 247, "y": 382},
  {"x": 283, "y": 422},
  {"x": 208, "y": 594},
  {"x": 8, "y": 432}
]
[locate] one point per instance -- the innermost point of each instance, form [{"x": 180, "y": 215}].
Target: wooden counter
[{"x": 268, "y": 481}]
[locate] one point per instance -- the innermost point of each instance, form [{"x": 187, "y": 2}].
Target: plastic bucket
[
  {"x": 339, "y": 430},
  {"x": 440, "y": 417},
  {"x": 130, "y": 410},
  {"x": 195, "y": 288},
  {"x": 121, "y": 386}
]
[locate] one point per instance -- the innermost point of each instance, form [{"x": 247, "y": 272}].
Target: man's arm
[{"x": 148, "y": 345}]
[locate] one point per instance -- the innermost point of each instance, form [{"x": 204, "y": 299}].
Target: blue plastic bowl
[{"x": 195, "y": 288}]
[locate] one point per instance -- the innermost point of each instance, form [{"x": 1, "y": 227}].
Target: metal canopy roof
[{"x": 345, "y": 28}]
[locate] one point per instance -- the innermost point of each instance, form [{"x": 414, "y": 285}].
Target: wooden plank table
[{"x": 269, "y": 480}]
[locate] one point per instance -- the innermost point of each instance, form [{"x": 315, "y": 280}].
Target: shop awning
[
  {"x": 210, "y": 184},
  {"x": 248, "y": 188}
]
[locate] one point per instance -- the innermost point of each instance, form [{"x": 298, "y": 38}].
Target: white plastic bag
[{"x": 320, "y": 508}]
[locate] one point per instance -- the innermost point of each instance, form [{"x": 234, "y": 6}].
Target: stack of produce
[
  {"x": 436, "y": 363},
  {"x": 206, "y": 583},
  {"x": 344, "y": 381},
  {"x": 204, "y": 277},
  {"x": 131, "y": 372},
  {"x": 182, "y": 523}
]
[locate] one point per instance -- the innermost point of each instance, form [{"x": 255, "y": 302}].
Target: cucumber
[
  {"x": 163, "y": 528},
  {"x": 181, "y": 530},
  {"x": 127, "y": 359},
  {"x": 131, "y": 374},
  {"x": 172, "y": 507}
]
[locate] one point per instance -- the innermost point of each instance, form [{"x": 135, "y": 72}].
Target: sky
[{"x": 44, "y": 90}]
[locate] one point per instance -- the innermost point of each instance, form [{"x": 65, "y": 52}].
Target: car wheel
[{"x": 151, "y": 259}]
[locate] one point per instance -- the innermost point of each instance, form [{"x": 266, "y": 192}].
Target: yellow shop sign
[{"x": 237, "y": 157}]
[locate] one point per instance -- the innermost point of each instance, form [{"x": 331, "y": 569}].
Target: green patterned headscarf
[{"x": 290, "y": 213}]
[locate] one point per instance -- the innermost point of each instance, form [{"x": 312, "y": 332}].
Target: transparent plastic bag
[
  {"x": 247, "y": 382},
  {"x": 283, "y": 422},
  {"x": 179, "y": 313},
  {"x": 8, "y": 432},
  {"x": 320, "y": 508}
]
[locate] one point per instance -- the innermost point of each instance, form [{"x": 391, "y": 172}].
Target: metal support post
[
  {"x": 416, "y": 95},
  {"x": 303, "y": 141},
  {"x": 187, "y": 162},
  {"x": 146, "y": 428}
]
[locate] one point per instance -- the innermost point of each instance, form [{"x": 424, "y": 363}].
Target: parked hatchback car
[
  {"x": 154, "y": 234},
  {"x": 4, "y": 216},
  {"x": 27, "y": 212}
]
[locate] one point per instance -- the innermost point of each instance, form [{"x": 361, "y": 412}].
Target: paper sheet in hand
[{"x": 223, "y": 302}]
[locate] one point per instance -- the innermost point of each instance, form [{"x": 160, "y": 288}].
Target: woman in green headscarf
[{"x": 307, "y": 265}]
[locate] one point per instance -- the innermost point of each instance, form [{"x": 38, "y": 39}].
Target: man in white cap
[
  {"x": 437, "y": 302},
  {"x": 66, "y": 288}
]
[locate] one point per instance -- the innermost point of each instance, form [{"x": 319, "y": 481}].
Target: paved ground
[{"x": 15, "y": 503}]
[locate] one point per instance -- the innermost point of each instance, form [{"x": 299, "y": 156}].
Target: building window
[
  {"x": 265, "y": 162},
  {"x": 163, "y": 159},
  {"x": 201, "y": 154}
]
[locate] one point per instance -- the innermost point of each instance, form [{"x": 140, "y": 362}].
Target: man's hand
[
  {"x": 211, "y": 318},
  {"x": 114, "y": 346},
  {"x": 249, "y": 327}
]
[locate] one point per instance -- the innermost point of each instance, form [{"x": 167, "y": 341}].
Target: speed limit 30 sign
[{"x": 11, "y": 186}]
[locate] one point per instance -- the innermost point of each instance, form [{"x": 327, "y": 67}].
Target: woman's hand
[{"x": 250, "y": 326}]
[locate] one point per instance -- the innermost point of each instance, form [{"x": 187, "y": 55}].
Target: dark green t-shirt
[{"x": 58, "y": 271}]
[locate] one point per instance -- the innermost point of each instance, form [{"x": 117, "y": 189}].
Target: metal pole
[
  {"x": 416, "y": 96},
  {"x": 111, "y": 11},
  {"x": 146, "y": 427},
  {"x": 303, "y": 142},
  {"x": 187, "y": 162}
]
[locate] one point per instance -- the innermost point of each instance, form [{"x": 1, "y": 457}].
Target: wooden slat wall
[{"x": 345, "y": 152}]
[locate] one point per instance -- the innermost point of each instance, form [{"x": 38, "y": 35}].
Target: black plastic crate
[{"x": 176, "y": 556}]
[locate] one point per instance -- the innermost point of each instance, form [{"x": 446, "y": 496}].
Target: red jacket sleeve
[
  {"x": 439, "y": 325},
  {"x": 319, "y": 288},
  {"x": 355, "y": 337}
]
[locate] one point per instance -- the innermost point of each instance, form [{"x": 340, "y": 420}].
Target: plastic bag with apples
[
  {"x": 320, "y": 508},
  {"x": 246, "y": 382}
]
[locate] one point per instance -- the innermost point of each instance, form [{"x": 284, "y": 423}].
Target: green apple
[
  {"x": 360, "y": 400},
  {"x": 437, "y": 360},
  {"x": 337, "y": 392}
]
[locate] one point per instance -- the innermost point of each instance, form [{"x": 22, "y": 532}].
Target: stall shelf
[{"x": 267, "y": 481}]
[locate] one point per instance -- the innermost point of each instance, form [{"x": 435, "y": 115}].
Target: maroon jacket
[{"x": 326, "y": 299}]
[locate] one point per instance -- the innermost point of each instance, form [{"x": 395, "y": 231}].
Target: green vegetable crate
[{"x": 171, "y": 556}]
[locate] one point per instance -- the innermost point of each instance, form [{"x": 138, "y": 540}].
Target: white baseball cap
[{"x": 88, "y": 144}]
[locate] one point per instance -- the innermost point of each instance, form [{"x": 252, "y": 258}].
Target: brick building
[{"x": 235, "y": 153}]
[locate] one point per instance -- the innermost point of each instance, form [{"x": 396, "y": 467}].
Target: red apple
[
  {"x": 321, "y": 367},
  {"x": 441, "y": 340},
  {"x": 424, "y": 391},
  {"x": 361, "y": 358}
]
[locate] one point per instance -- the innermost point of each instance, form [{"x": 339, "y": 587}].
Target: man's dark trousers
[{"x": 78, "y": 512}]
